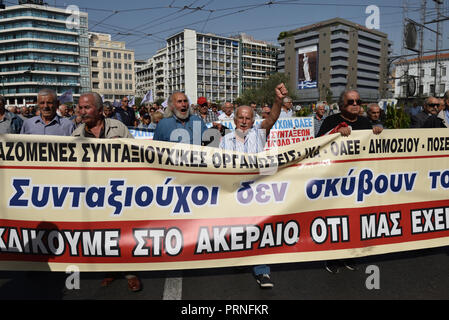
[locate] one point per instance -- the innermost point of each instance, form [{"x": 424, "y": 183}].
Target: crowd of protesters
[
  {"x": 93, "y": 118},
  {"x": 434, "y": 113}
]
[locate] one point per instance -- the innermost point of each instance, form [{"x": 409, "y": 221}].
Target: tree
[
  {"x": 396, "y": 117},
  {"x": 265, "y": 93}
]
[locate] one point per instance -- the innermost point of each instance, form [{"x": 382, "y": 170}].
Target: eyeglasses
[
  {"x": 352, "y": 101},
  {"x": 204, "y": 105}
]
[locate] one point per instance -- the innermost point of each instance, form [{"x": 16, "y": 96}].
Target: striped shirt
[{"x": 254, "y": 141}]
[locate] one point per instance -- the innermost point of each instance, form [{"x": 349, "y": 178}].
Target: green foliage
[
  {"x": 396, "y": 117},
  {"x": 304, "y": 112},
  {"x": 284, "y": 34},
  {"x": 265, "y": 93}
]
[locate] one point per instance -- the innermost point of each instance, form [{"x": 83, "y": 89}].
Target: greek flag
[
  {"x": 148, "y": 97},
  {"x": 306, "y": 84},
  {"x": 66, "y": 97}
]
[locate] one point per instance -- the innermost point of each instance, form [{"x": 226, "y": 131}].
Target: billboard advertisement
[{"x": 307, "y": 67}]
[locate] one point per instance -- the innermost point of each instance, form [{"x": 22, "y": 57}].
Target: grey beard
[{"x": 169, "y": 113}]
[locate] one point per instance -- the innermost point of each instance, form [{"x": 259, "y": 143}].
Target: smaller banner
[{"x": 285, "y": 131}]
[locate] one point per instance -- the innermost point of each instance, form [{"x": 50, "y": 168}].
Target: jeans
[{"x": 261, "y": 269}]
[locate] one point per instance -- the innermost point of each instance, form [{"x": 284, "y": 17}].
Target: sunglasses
[
  {"x": 352, "y": 101},
  {"x": 434, "y": 105},
  {"x": 204, "y": 105}
]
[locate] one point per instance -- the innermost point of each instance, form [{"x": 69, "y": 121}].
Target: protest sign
[
  {"x": 141, "y": 133},
  {"x": 129, "y": 204},
  {"x": 284, "y": 132}
]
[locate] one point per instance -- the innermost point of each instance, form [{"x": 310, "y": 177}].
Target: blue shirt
[
  {"x": 173, "y": 130},
  {"x": 254, "y": 141},
  {"x": 59, "y": 126}
]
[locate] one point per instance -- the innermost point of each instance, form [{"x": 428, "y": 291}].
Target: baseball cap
[{"x": 202, "y": 100}]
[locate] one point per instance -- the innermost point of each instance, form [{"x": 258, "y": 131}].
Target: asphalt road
[{"x": 421, "y": 275}]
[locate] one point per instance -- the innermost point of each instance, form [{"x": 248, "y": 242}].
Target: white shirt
[
  {"x": 254, "y": 141},
  {"x": 286, "y": 114},
  {"x": 224, "y": 117}
]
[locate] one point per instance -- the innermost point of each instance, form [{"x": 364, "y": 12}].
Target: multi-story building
[
  {"x": 112, "y": 67},
  {"x": 330, "y": 56},
  {"x": 39, "y": 48},
  {"x": 203, "y": 64},
  {"x": 414, "y": 78},
  {"x": 144, "y": 78},
  {"x": 258, "y": 61},
  {"x": 161, "y": 83}
]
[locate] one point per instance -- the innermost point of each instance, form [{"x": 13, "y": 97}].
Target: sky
[{"x": 145, "y": 24}]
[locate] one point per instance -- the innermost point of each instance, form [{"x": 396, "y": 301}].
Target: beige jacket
[
  {"x": 442, "y": 117},
  {"x": 112, "y": 129}
]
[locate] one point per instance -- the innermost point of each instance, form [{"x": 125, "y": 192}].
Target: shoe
[
  {"x": 134, "y": 284},
  {"x": 350, "y": 264},
  {"x": 333, "y": 266},
  {"x": 264, "y": 280}
]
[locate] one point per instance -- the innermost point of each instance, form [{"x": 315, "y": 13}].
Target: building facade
[
  {"x": 258, "y": 61},
  {"x": 323, "y": 59},
  {"x": 112, "y": 67},
  {"x": 431, "y": 77},
  {"x": 40, "y": 49},
  {"x": 201, "y": 64},
  {"x": 152, "y": 75}
]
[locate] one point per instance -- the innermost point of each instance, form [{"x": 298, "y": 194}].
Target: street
[{"x": 421, "y": 275}]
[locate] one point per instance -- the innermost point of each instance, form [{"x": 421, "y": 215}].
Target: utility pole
[
  {"x": 421, "y": 45},
  {"x": 437, "y": 46}
]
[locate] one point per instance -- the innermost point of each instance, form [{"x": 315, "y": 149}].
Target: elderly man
[
  {"x": 246, "y": 137},
  {"x": 373, "y": 114},
  {"x": 348, "y": 119},
  {"x": 179, "y": 123},
  {"x": 125, "y": 113},
  {"x": 9, "y": 122},
  {"x": 344, "y": 122},
  {"x": 318, "y": 117},
  {"x": 266, "y": 110},
  {"x": 251, "y": 139},
  {"x": 63, "y": 111},
  {"x": 431, "y": 106},
  {"x": 24, "y": 113},
  {"x": 94, "y": 124},
  {"x": 204, "y": 111},
  {"x": 287, "y": 106},
  {"x": 48, "y": 122},
  {"x": 228, "y": 112},
  {"x": 440, "y": 120}
]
